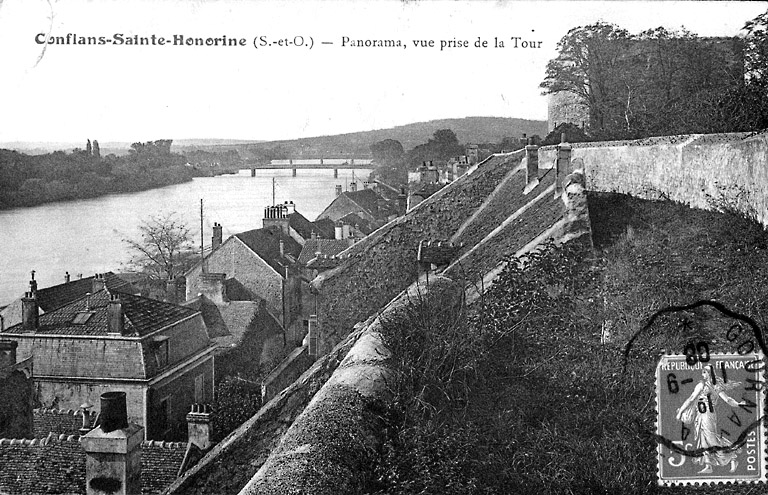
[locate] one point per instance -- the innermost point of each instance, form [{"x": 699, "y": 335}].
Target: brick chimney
[
  {"x": 113, "y": 450},
  {"x": 353, "y": 186},
  {"x": 115, "y": 320},
  {"x": 276, "y": 216},
  {"x": 7, "y": 353},
  {"x": 282, "y": 248},
  {"x": 562, "y": 165},
  {"x": 199, "y": 427},
  {"x": 171, "y": 291},
  {"x": 30, "y": 314},
  {"x": 66, "y": 277},
  {"x": 338, "y": 189},
  {"x": 402, "y": 201},
  {"x": 33, "y": 283},
  {"x": 531, "y": 167},
  {"x": 472, "y": 154},
  {"x": 345, "y": 233},
  {"x": 338, "y": 231},
  {"x": 98, "y": 283},
  {"x": 216, "y": 238},
  {"x": 212, "y": 286},
  {"x": 290, "y": 207},
  {"x": 312, "y": 336}
]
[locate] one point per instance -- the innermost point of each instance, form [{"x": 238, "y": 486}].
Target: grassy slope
[{"x": 549, "y": 409}]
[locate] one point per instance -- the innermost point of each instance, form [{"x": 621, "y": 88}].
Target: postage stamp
[{"x": 709, "y": 417}]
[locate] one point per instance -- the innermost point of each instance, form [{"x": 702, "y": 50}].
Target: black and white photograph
[{"x": 383, "y": 247}]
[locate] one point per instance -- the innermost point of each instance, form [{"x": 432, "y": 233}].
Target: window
[
  {"x": 82, "y": 317},
  {"x": 199, "y": 389},
  {"x": 161, "y": 351},
  {"x": 164, "y": 416}
]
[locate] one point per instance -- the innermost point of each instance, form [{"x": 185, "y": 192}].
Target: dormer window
[
  {"x": 161, "y": 350},
  {"x": 82, "y": 317}
]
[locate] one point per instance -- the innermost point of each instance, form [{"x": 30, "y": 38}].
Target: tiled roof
[
  {"x": 142, "y": 316},
  {"x": 427, "y": 189},
  {"x": 366, "y": 199},
  {"x": 58, "y": 421},
  {"x": 324, "y": 246},
  {"x": 57, "y": 296},
  {"x": 325, "y": 228},
  {"x": 266, "y": 243},
  {"x": 300, "y": 224},
  {"x": 56, "y": 465},
  {"x": 324, "y": 262},
  {"x": 354, "y": 220}
]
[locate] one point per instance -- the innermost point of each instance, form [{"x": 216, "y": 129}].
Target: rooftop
[
  {"x": 57, "y": 296},
  {"x": 266, "y": 243},
  {"x": 327, "y": 247},
  {"x": 56, "y": 465},
  {"x": 88, "y": 316}
]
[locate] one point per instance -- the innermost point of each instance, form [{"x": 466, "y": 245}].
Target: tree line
[
  {"x": 662, "y": 82},
  {"x": 393, "y": 163},
  {"x": 27, "y": 180}
]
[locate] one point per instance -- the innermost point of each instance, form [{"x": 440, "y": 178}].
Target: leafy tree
[
  {"x": 96, "y": 150},
  {"x": 587, "y": 65},
  {"x": 88, "y": 148},
  {"x": 442, "y": 146},
  {"x": 387, "y": 150},
  {"x": 654, "y": 83},
  {"x": 164, "y": 249},
  {"x": 390, "y": 162}
]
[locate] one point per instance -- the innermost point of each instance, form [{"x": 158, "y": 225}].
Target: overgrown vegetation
[
  {"x": 662, "y": 82},
  {"x": 535, "y": 397},
  {"x": 27, "y": 180}
]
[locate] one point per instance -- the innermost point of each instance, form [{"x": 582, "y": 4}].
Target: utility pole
[
  {"x": 273, "y": 191},
  {"x": 202, "y": 254}
]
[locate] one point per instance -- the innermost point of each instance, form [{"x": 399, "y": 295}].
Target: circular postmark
[{"x": 710, "y": 396}]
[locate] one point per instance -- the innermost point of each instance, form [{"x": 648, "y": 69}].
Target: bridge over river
[{"x": 315, "y": 163}]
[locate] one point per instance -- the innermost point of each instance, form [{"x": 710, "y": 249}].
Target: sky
[{"x": 112, "y": 92}]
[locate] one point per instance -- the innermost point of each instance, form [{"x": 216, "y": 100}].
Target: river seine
[{"x": 86, "y": 237}]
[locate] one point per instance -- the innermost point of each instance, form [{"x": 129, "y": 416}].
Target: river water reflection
[{"x": 85, "y": 237}]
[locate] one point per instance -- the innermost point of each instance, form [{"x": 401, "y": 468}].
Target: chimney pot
[
  {"x": 30, "y": 314},
  {"x": 199, "y": 426},
  {"x": 217, "y": 237},
  {"x": 114, "y": 413},
  {"x": 115, "y": 320},
  {"x": 113, "y": 450},
  {"x": 66, "y": 277}
]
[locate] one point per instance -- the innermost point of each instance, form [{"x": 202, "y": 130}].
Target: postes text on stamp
[{"x": 709, "y": 418}]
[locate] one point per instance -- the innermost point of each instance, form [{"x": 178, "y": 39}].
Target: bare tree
[{"x": 165, "y": 249}]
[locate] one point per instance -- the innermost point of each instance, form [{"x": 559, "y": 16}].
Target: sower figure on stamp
[{"x": 699, "y": 410}]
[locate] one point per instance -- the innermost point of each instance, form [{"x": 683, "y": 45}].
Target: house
[
  {"x": 158, "y": 352},
  {"x": 253, "y": 266},
  {"x": 56, "y": 296},
  {"x": 366, "y": 203}
]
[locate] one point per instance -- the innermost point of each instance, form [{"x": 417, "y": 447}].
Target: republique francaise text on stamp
[{"x": 709, "y": 418}]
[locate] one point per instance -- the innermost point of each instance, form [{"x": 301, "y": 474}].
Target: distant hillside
[{"x": 468, "y": 130}]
